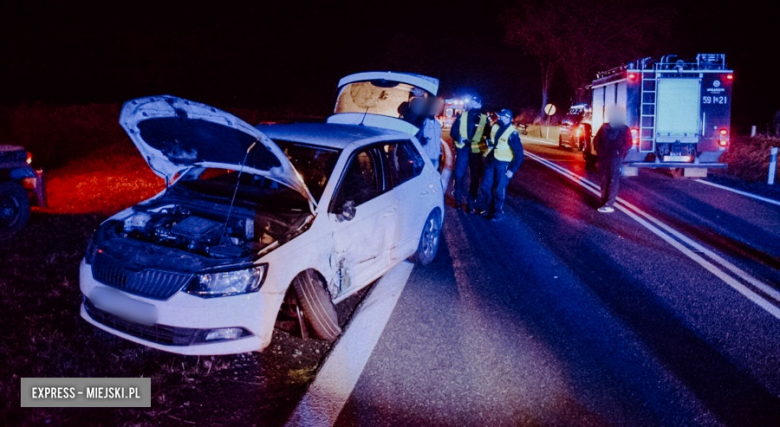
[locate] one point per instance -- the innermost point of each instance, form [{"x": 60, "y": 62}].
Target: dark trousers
[
  {"x": 609, "y": 178},
  {"x": 465, "y": 160},
  {"x": 492, "y": 192}
]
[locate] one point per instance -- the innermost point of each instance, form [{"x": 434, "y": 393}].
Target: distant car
[
  {"x": 284, "y": 218},
  {"x": 17, "y": 180},
  {"x": 575, "y": 132}
]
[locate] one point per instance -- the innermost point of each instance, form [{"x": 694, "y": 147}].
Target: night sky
[{"x": 286, "y": 56}]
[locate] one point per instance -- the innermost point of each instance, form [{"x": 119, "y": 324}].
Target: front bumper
[{"x": 183, "y": 320}]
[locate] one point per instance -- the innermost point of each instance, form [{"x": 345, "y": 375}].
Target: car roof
[{"x": 326, "y": 134}]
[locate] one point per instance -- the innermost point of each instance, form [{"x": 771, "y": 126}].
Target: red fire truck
[{"x": 679, "y": 112}]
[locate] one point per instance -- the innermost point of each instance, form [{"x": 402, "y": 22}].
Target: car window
[
  {"x": 361, "y": 181},
  {"x": 402, "y": 161}
]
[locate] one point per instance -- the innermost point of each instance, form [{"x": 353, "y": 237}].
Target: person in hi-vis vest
[
  {"x": 469, "y": 132},
  {"x": 502, "y": 159}
]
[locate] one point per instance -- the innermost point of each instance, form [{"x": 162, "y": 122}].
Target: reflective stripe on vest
[
  {"x": 464, "y": 126},
  {"x": 503, "y": 151},
  {"x": 476, "y": 139}
]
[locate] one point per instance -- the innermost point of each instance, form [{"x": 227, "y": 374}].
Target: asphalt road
[{"x": 560, "y": 315}]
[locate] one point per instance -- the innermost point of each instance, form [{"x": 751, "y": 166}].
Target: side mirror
[{"x": 348, "y": 210}]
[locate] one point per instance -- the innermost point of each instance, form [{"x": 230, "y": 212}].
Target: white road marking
[
  {"x": 722, "y": 187},
  {"x": 743, "y": 193},
  {"x": 596, "y": 189},
  {"x": 323, "y": 402},
  {"x": 637, "y": 215}
]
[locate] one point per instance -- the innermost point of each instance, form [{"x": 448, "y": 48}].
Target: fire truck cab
[{"x": 679, "y": 112}]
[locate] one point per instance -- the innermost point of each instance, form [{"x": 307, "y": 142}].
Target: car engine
[{"x": 180, "y": 228}]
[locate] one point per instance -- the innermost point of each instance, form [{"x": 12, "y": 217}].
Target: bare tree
[
  {"x": 583, "y": 37},
  {"x": 534, "y": 28}
]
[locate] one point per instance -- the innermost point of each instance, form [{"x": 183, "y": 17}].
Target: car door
[
  {"x": 364, "y": 216},
  {"x": 404, "y": 166}
]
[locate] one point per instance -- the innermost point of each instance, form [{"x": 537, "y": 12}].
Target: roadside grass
[
  {"x": 541, "y": 131},
  {"x": 748, "y": 158}
]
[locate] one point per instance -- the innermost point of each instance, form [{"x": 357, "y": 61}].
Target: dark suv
[
  {"x": 17, "y": 178},
  {"x": 575, "y": 132}
]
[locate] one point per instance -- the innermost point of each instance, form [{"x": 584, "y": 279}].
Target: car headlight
[{"x": 225, "y": 283}]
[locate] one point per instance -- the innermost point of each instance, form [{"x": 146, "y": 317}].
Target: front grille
[
  {"x": 160, "y": 334},
  {"x": 153, "y": 284}
]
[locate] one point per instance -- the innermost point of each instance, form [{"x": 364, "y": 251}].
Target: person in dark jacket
[
  {"x": 612, "y": 143},
  {"x": 502, "y": 159},
  {"x": 430, "y": 131},
  {"x": 469, "y": 132},
  {"x": 421, "y": 112}
]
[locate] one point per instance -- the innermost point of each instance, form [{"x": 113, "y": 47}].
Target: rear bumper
[{"x": 654, "y": 165}]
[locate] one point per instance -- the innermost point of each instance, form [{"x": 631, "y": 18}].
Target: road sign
[{"x": 549, "y": 109}]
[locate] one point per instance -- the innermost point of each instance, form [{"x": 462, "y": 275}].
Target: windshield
[
  {"x": 572, "y": 119},
  {"x": 254, "y": 191},
  {"x": 315, "y": 164},
  {"x": 380, "y": 97}
]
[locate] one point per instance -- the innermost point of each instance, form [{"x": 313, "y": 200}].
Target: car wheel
[
  {"x": 318, "y": 310},
  {"x": 14, "y": 209},
  {"x": 560, "y": 142},
  {"x": 429, "y": 240},
  {"x": 574, "y": 145}
]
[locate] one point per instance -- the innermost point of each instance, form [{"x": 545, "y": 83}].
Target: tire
[
  {"x": 574, "y": 145},
  {"x": 560, "y": 142},
  {"x": 317, "y": 307},
  {"x": 429, "y": 240},
  {"x": 14, "y": 209}
]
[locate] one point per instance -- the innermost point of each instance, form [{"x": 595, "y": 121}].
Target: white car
[{"x": 294, "y": 217}]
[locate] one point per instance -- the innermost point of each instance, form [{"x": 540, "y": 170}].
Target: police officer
[
  {"x": 612, "y": 143},
  {"x": 503, "y": 158},
  {"x": 468, "y": 132}
]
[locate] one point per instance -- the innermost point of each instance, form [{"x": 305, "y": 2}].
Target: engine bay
[{"x": 203, "y": 232}]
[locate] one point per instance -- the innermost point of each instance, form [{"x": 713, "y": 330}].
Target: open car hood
[{"x": 174, "y": 134}]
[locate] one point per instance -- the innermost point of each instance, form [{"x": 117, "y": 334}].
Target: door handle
[
  {"x": 423, "y": 194},
  {"x": 390, "y": 211}
]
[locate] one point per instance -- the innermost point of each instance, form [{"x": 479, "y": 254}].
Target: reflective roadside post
[{"x": 770, "y": 179}]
